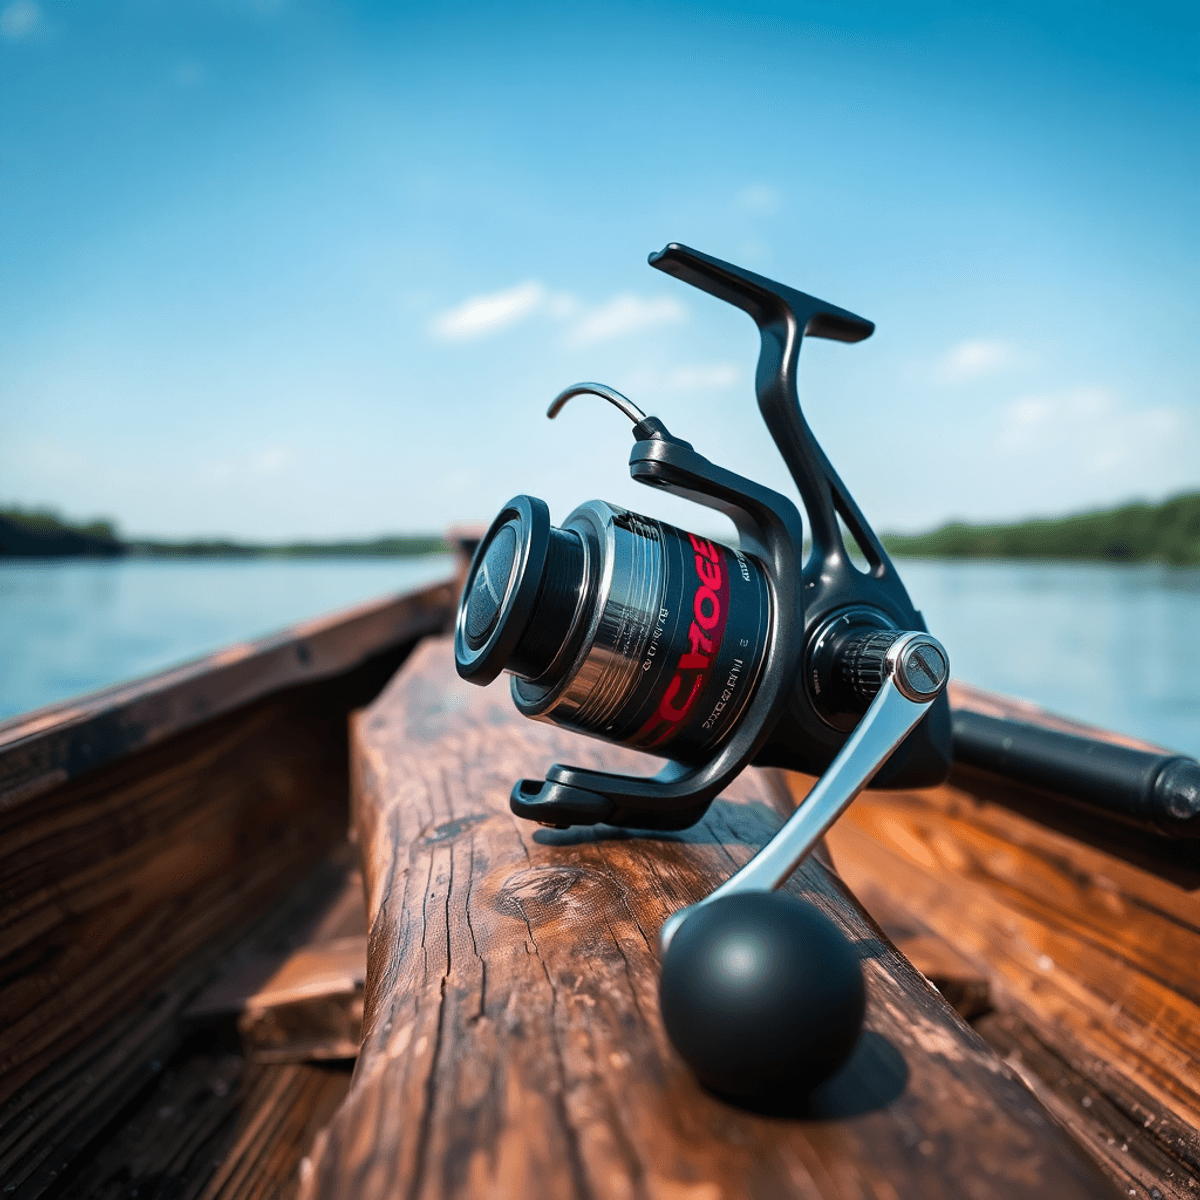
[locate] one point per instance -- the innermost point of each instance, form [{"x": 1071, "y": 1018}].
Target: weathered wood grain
[
  {"x": 215, "y": 1129},
  {"x": 311, "y": 1009},
  {"x": 87, "y": 1125},
  {"x": 512, "y": 1041},
  {"x": 304, "y": 1004},
  {"x": 111, "y": 893},
  {"x": 1092, "y": 961},
  {"x": 119, "y": 889},
  {"x": 283, "y": 1109}
]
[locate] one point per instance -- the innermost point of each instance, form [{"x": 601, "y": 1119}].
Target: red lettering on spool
[
  {"x": 694, "y": 668},
  {"x": 707, "y": 620},
  {"x": 709, "y": 572},
  {"x": 698, "y": 641},
  {"x": 667, "y": 709}
]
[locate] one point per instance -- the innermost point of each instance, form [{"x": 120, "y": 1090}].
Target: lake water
[
  {"x": 71, "y": 625},
  {"x": 1118, "y": 646}
]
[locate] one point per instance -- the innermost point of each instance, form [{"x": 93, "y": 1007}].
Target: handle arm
[{"x": 918, "y": 668}]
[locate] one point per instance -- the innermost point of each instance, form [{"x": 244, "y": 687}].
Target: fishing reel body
[{"x": 625, "y": 628}]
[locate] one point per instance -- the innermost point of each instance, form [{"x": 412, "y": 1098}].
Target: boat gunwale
[{"x": 59, "y": 742}]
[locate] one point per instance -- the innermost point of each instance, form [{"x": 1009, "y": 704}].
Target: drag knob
[
  {"x": 489, "y": 584},
  {"x": 761, "y": 995},
  {"x": 522, "y": 593}
]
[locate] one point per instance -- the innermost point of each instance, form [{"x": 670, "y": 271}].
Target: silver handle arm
[{"x": 917, "y": 670}]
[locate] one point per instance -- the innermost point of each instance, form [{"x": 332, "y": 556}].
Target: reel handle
[
  {"x": 761, "y": 994},
  {"x": 913, "y": 669}
]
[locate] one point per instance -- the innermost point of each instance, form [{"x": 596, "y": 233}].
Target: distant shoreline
[
  {"x": 389, "y": 547},
  {"x": 41, "y": 535},
  {"x": 1134, "y": 533}
]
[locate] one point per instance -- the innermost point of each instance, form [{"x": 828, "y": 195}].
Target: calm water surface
[
  {"x": 1117, "y": 646},
  {"x": 72, "y": 625}
]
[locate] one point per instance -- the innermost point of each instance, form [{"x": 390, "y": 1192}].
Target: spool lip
[
  {"x": 531, "y": 519},
  {"x": 592, "y": 523}
]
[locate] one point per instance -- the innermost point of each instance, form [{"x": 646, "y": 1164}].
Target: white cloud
[
  {"x": 973, "y": 360},
  {"x": 704, "y": 377},
  {"x": 759, "y": 197},
  {"x": 623, "y": 315},
  {"x": 479, "y": 315},
  {"x": 20, "y": 19},
  {"x": 1090, "y": 429}
]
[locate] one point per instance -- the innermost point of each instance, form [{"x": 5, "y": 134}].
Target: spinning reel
[{"x": 630, "y": 630}]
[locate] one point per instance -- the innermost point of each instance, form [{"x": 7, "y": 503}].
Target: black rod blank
[{"x": 1156, "y": 791}]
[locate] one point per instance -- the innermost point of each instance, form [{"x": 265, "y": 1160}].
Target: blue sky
[{"x": 278, "y": 269}]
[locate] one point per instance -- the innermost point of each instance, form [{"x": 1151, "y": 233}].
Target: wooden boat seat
[{"x": 512, "y": 1041}]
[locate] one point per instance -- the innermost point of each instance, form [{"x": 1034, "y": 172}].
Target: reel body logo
[{"x": 709, "y": 611}]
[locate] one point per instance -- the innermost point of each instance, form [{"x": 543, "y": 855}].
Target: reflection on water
[
  {"x": 70, "y": 626},
  {"x": 1117, "y": 646}
]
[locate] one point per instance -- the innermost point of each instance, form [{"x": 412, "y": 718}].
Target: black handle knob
[{"x": 761, "y": 995}]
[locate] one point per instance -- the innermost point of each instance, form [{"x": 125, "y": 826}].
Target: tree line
[
  {"x": 1167, "y": 532},
  {"x": 43, "y": 533}
]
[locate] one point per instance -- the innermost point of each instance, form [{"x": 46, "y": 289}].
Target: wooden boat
[{"x": 220, "y": 880}]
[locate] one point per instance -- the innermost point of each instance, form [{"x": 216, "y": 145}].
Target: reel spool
[{"x": 631, "y": 630}]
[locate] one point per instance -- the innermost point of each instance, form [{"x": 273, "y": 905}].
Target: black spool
[{"x": 549, "y": 626}]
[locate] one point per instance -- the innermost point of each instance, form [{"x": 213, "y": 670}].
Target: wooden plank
[
  {"x": 42, "y": 750},
  {"x": 283, "y": 1110},
  {"x": 305, "y": 1004},
  {"x": 113, "y": 887},
  {"x": 110, "y": 888},
  {"x": 157, "y": 1105},
  {"x": 215, "y": 1129},
  {"x": 512, "y": 1041},
  {"x": 311, "y": 1009},
  {"x": 1091, "y": 958}
]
